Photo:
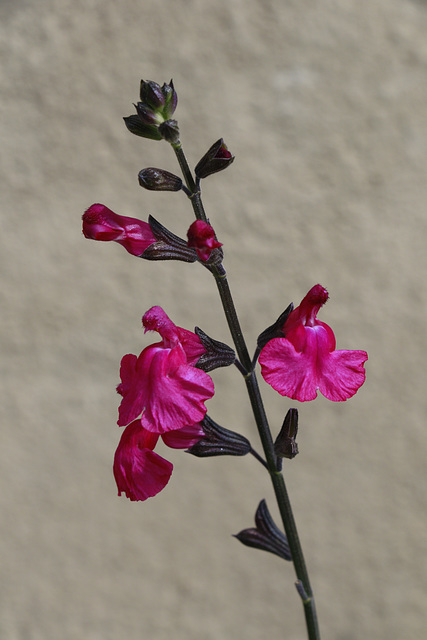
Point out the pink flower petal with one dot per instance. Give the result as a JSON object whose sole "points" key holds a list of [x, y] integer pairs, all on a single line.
{"points": [[100, 223], [191, 344], [342, 374], [155, 319], [170, 393], [139, 472], [288, 371], [184, 438], [201, 237], [130, 388], [174, 392]]}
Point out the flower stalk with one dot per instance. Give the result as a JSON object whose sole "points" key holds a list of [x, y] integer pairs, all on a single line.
{"points": [[260, 416]]}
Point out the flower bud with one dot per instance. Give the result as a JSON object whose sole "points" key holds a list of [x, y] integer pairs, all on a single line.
{"points": [[159, 180], [162, 100], [201, 236], [215, 159], [169, 131], [219, 441], [151, 95], [100, 223], [267, 535], [285, 445]]}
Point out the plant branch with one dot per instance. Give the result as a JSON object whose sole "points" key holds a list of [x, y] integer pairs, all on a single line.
{"points": [[260, 416]]}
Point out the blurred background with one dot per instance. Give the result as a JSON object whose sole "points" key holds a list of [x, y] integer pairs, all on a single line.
{"points": [[324, 106]]}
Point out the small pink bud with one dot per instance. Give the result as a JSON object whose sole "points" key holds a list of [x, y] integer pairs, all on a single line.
{"points": [[201, 237], [217, 158]]}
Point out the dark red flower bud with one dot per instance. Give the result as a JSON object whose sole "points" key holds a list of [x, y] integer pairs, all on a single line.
{"points": [[151, 95], [201, 236], [100, 223], [160, 99], [215, 159], [159, 180]]}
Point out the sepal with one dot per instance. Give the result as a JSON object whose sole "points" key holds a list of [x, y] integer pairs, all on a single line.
{"points": [[219, 441], [217, 353], [267, 535], [168, 245], [285, 445], [138, 128], [169, 131], [275, 330]]}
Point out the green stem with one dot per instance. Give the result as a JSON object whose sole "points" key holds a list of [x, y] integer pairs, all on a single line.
{"points": [[195, 197], [277, 478]]}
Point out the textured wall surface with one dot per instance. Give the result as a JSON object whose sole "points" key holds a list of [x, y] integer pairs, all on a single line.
{"points": [[324, 106]]}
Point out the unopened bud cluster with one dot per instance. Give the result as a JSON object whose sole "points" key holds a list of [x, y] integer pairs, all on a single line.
{"points": [[154, 112]]}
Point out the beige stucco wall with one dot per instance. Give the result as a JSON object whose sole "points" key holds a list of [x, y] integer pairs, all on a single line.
{"points": [[324, 106]]}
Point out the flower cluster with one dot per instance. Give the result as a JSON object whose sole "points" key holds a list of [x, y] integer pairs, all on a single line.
{"points": [[165, 388], [163, 394]]}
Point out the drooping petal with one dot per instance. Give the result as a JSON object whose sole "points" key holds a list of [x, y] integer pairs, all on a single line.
{"points": [[185, 437], [290, 372], [139, 472], [342, 374]]}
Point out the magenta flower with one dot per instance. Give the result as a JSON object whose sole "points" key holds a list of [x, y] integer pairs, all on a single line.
{"points": [[162, 383], [305, 359], [141, 473], [201, 237], [100, 223]]}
